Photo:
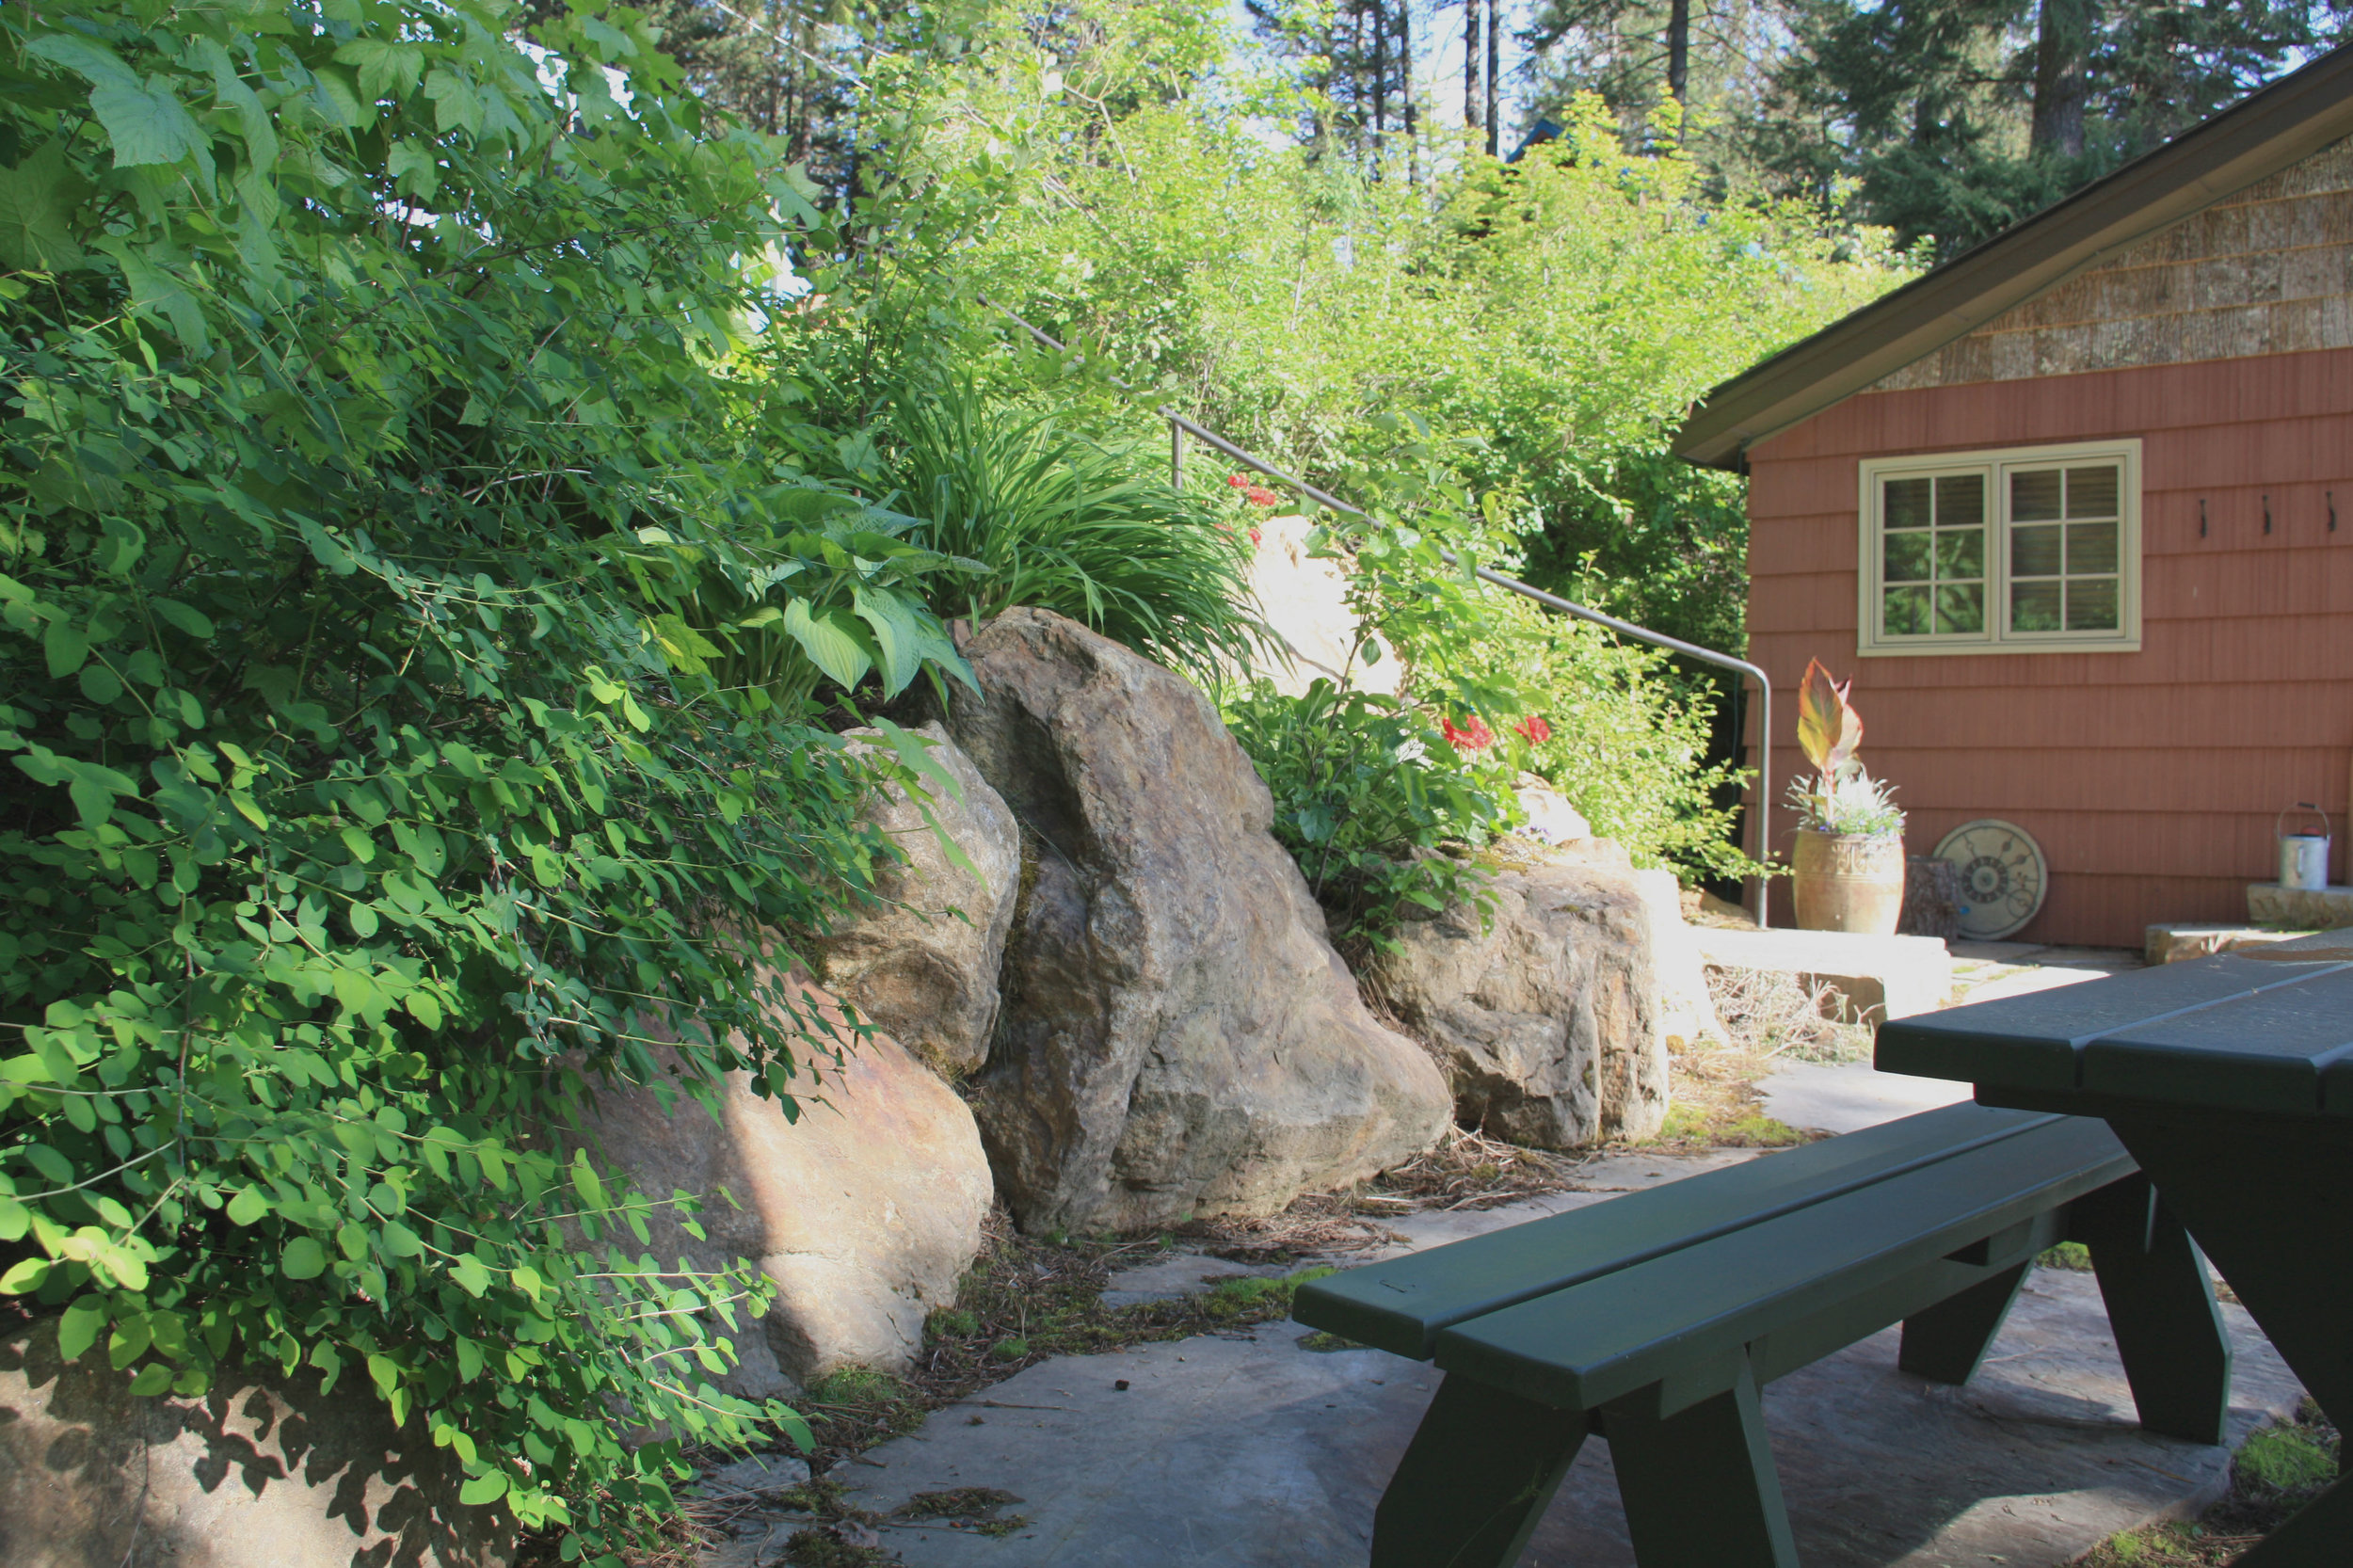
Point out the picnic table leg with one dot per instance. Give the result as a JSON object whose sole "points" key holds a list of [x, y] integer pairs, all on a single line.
{"points": [[2169, 1329], [2273, 1207], [1475, 1480], [1699, 1486], [1947, 1341]]}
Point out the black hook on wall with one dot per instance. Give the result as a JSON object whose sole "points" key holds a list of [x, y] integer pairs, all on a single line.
{"points": [[2202, 517], [2332, 511], [2267, 514]]}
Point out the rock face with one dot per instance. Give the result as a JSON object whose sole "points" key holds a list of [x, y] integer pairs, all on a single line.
{"points": [[1306, 605], [866, 1211], [1547, 1022], [266, 1471], [923, 961], [1178, 1037]]}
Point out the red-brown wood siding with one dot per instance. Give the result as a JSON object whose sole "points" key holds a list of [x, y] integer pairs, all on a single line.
{"points": [[2152, 779]]}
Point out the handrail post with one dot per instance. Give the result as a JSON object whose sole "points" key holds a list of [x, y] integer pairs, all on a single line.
{"points": [[1180, 427]]}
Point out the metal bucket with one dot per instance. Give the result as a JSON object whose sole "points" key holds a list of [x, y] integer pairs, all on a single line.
{"points": [[2303, 856]]}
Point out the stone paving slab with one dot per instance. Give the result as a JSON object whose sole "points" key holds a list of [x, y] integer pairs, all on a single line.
{"points": [[1847, 1097], [1251, 1452]]}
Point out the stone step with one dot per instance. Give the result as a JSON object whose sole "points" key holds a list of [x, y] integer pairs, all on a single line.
{"points": [[1876, 977], [2310, 908], [2171, 944]]}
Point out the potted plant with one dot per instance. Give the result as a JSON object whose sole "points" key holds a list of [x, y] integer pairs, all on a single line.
{"points": [[1849, 861]]}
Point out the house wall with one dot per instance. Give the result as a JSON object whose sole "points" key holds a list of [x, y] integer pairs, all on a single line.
{"points": [[2150, 779]]}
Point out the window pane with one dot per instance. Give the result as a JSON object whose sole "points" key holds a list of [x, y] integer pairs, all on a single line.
{"points": [[1960, 554], [2034, 552], [1907, 503], [1960, 609], [2034, 497], [1907, 612], [2091, 491], [1907, 557], [2090, 547], [1960, 499], [2034, 607], [2092, 605]]}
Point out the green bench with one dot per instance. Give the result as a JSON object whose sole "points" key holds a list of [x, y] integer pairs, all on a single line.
{"points": [[1653, 1320]]}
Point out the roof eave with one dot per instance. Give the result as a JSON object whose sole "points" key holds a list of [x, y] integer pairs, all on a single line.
{"points": [[2264, 133]]}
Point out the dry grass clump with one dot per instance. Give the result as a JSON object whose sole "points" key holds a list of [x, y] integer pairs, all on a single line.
{"points": [[1770, 1013]]}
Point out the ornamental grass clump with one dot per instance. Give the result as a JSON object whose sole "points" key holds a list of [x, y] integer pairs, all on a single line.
{"points": [[1062, 522], [409, 655]]}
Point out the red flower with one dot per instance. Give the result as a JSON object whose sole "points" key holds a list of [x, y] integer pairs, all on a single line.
{"points": [[1253, 536], [1238, 480], [1534, 730], [1259, 495], [1475, 736]]}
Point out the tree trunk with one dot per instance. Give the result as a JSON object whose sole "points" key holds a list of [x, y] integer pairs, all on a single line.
{"points": [[1380, 77], [1405, 90], [2063, 51], [1495, 69], [1470, 64], [1679, 52]]}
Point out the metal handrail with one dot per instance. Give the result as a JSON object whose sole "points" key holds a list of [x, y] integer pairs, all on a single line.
{"points": [[1179, 428]]}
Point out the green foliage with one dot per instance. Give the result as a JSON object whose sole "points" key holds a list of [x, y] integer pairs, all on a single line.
{"points": [[2288, 1460], [407, 634], [1369, 797], [1621, 739], [1066, 523], [1564, 312]]}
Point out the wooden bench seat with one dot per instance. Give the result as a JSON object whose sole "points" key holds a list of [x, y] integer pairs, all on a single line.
{"points": [[1653, 1320]]}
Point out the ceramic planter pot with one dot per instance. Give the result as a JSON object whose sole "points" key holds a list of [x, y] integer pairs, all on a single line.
{"points": [[1849, 882]]}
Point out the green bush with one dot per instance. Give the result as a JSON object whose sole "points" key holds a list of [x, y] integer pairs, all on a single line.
{"points": [[1370, 798], [407, 643], [1620, 739]]}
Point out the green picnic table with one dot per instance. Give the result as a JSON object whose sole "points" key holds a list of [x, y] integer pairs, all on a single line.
{"points": [[1654, 1319], [2230, 1082]]}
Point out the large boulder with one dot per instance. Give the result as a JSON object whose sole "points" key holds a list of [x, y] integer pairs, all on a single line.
{"points": [[264, 1470], [865, 1211], [921, 958], [1545, 1014], [1178, 1038]]}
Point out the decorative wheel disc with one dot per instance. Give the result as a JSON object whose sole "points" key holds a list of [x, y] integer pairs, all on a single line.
{"points": [[2002, 876]]}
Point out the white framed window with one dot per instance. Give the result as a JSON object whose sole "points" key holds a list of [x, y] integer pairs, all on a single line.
{"points": [[2019, 551]]}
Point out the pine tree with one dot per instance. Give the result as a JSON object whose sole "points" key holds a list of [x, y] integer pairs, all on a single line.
{"points": [[1951, 119]]}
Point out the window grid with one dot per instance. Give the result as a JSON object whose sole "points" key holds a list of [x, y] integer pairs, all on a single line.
{"points": [[2019, 551]]}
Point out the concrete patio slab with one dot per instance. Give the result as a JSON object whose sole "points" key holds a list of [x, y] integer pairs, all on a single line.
{"points": [[1250, 1451], [1847, 1097]]}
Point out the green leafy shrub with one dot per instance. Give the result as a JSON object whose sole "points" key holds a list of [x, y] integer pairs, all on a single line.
{"points": [[1605, 724], [1369, 797], [407, 638]]}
